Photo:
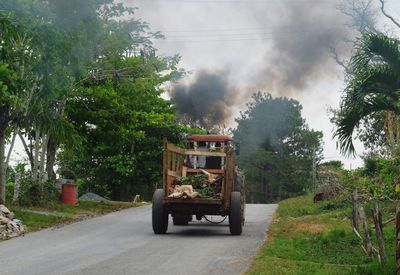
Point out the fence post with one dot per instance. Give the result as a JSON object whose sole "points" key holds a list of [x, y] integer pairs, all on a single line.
{"points": [[379, 233], [367, 241], [354, 196]]}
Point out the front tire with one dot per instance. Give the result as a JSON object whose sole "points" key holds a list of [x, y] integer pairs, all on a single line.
{"points": [[159, 213], [235, 214]]}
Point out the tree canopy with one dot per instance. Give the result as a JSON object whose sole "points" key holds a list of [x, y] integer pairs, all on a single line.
{"points": [[121, 124], [82, 80], [372, 88], [277, 149]]}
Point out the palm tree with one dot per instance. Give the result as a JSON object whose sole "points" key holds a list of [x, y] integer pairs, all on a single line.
{"points": [[373, 87]]}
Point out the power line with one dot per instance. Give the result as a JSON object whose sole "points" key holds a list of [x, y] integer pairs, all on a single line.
{"points": [[213, 30], [233, 35], [226, 38], [218, 35], [217, 40], [187, 34], [333, 158]]}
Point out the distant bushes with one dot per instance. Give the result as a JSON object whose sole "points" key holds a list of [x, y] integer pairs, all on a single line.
{"points": [[29, 193]]}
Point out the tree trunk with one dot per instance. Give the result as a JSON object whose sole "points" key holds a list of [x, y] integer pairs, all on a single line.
{"points": [[42, 174], [279, 193], [36, 156], [398, 238], [17, 186], [11, 147], [265, 190], [271, 193], [51, 159], [367, 240], [3, 168], [4, 120], [28, 152], [128, 194], [354, 197]]}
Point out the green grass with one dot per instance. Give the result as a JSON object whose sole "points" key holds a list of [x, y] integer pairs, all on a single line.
{"points": [[308, 238], [34, 221], [36, 218]]}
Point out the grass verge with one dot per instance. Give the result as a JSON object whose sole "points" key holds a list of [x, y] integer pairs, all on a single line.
{"points": [[36, 218], [308, 238]]}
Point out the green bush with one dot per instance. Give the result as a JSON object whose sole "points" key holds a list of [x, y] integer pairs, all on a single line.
{"points": [[9, 192], [30, 193]]}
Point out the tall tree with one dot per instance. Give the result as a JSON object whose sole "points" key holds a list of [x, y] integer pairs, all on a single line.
{"points": [[18, 82], [362, 16], [372, 130], [122, 121], [72, 38], [277, 150], [371, 89]]}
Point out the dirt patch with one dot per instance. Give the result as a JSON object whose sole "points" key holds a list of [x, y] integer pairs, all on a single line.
{"points": [[313, 228]]}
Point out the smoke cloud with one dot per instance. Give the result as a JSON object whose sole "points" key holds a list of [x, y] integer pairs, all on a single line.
{"points": [[206, 101], [297, 53], [301, 46]]}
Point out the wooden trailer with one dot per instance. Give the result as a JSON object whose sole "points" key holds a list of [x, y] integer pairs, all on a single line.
{"points": [[213, 155]]}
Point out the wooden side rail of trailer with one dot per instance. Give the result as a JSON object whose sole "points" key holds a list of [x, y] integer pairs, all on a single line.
{"points": [[174, 167]]}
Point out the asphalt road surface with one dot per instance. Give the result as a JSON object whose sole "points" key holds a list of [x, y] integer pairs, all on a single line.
{"points": [[123, 243]]}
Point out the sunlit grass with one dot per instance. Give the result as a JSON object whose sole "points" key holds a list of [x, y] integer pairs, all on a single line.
{"points": [[308, 238], [35, 218]]}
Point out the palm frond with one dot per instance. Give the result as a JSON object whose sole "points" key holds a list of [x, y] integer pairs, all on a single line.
{"points": [[374, 86], [376, 48]]}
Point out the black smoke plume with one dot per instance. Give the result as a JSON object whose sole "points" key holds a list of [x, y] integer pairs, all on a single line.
{"points": [[302, 41], [206, 102], [305, 43]]}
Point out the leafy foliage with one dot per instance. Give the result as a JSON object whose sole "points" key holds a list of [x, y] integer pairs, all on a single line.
{"points": [[372, 87], [83, 79], [201, 185], [334, 164], [276, 148], [122, 123]]}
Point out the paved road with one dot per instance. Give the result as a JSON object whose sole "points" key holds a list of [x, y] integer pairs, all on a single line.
{"points": [[123, 243]]}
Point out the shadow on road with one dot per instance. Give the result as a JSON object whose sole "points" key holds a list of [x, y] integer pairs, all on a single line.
{"points": [[199, 229]]}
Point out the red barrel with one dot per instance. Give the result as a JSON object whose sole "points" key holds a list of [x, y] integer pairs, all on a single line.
{"points": [[69, 193]]}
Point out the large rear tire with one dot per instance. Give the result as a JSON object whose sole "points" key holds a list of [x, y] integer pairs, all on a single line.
{"points": [[235, 215], [159, 214], [180, 219]]}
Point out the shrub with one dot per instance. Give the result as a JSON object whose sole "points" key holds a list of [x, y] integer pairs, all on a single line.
{"points": [[30, 192], [9, 192], [333, 191]]}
